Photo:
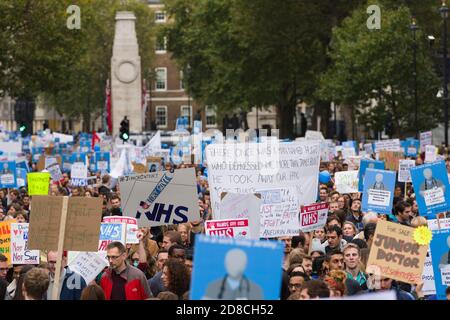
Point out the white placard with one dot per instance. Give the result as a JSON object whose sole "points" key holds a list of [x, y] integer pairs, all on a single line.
{"points": [[313, 217], [79, 171], [232, 228], [433, 196], [88, 265], [388, 145], [346, 181], [430, 153], [404, 167], [379, 197], [20, 254], [426, 138]]}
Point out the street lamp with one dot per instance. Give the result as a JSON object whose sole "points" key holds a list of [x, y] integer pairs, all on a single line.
{"points": [[443, 10], [414, 29]]}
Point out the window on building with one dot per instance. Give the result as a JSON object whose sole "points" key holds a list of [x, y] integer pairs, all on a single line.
{"points": [[210, 114], [186, 111], [161, 79], [160, 16], [161, 116], [161, 45]]}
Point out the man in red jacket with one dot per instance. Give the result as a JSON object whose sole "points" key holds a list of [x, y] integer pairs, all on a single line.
{"points": [[122, 281]]}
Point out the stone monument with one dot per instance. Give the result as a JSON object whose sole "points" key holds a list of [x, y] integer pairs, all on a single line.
{"points": [[126, 92]]}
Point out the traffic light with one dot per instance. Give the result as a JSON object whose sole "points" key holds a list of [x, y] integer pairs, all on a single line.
{"points": [[125, 129], [24, 116]]}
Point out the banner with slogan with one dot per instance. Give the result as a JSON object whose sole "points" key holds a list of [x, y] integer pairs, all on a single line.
{"points": [[440, 254], [431, 187], [387, 145], [245, 167], [253, 260], [160, 198], [241, 206], [364, 165], [232, 228], [38, 183], [279, 212], [404, 170], [346, 181], [313, 217], [88, 265], [378, 192], [395, 254], [8, 174], [20, 254], [78, 174], [391, 159]]}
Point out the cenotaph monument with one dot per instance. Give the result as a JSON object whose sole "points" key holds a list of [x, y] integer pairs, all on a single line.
{"points": [[126, 91]]}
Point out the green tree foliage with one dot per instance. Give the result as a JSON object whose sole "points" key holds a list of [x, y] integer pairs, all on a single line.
{"points": [[69, 68], [254, 53], [377, 65]]}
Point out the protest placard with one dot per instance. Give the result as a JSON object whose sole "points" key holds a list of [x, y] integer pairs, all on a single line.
{"points": [[20, 254], [426, 138], [160, 198], [346, 181], [378, 193], [430, 153], [431, 187], [244, 167], [440, 254], [391, 159], [102, 162], [110, 232], [55, 172], [253, 259], [78, 174], [5, 238], [368, 147], [88, 265], [279, 212], [353, 162], [395, 254], [314, 135], [139, 168], [11, 146], [364, 165], [46, 160], [21, 174], [38, 183], [241, 206], [387, 145], [232, 228], [313, 217], [327, 150], [132, 227], [404, 173], [154, 164], [8, 174]]}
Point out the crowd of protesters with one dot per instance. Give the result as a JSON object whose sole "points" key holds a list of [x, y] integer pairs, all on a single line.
{"points": [[326, 263]]}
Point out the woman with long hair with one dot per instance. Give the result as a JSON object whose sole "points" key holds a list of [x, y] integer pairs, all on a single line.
{"points": [[176, 277]]}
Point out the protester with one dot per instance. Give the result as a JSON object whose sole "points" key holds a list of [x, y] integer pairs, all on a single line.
{"points": [[35, 284], [3, 267], [92, 292], [176, 277], [314, 289]]}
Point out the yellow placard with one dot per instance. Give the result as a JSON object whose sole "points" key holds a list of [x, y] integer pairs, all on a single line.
{"points": [[5, 238], [38, 183]]}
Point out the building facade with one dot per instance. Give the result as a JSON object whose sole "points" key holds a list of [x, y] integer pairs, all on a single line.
{"points": [[168, 99]]}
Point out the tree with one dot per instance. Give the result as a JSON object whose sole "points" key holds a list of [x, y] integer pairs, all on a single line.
{"points": [[377, 65], [253, 53], [69, 68]]}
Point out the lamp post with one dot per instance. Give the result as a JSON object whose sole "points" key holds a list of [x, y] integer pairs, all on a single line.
{"points": [[443, 10], [414, 29]]}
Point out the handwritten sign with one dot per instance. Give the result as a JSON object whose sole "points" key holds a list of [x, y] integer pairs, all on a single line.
{"points": [[20, 253], [346, 181], [394, 253], [232, 228], [426, 138], [391, 159], [88, 265], [38, 183], [82, 224], [387, 145], [313, 217], [279, 212], [5, 239], [430, 153]]}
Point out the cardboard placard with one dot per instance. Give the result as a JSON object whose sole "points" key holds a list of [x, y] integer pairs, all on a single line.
{"points": [[391, 159], [394, 253]]}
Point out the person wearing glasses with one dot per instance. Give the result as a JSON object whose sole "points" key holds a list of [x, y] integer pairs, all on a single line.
{"points": [[296, 281], [122, 281]]}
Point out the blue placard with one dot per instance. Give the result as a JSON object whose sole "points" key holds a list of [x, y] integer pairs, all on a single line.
{"points": [[440, 256], [431, 187], [351, 144], [66, 164], [78, 157], [102, 162], [36, 153], [23, 164], [367, 164], [21, 174], [378, 192], [111, 231], [238, 269], [85, 146], [410, 147], [8, 174]]}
